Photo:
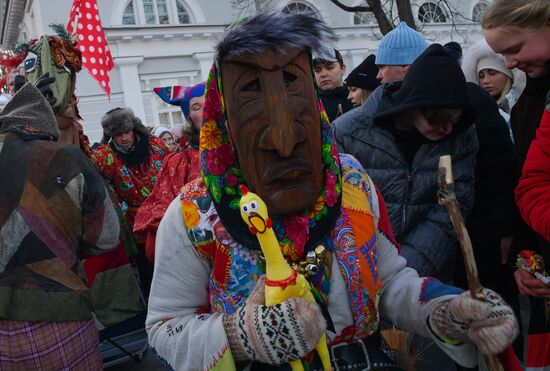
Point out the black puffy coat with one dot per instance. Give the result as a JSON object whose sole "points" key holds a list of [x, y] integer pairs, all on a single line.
{"points": [[420, 224]]}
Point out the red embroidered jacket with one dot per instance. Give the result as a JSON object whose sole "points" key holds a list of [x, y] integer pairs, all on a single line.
{"points": [[132, 183]]}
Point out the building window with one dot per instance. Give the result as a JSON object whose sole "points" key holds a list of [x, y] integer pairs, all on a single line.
{"points": [[183, 14], [129, 17], [169, 115], [156, 12], [431, 13], [363, 18], [479, 12], [298, 7]]}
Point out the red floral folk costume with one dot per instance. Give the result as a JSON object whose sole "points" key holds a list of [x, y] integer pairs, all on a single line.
{"points": [[177, 170], [132, 173], [132, 183]]}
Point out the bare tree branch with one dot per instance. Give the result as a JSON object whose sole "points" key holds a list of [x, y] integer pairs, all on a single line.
{"points": [[404, 10], [348, 8], [383, 11], [377, 9]]}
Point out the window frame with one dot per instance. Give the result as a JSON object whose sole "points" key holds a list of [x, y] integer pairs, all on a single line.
{"points": [[165, 108], [434, 10], [140, 17], [314, 10]]}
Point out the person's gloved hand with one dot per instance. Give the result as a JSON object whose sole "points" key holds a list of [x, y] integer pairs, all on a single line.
{"points": [[273, 334], [490, 324], [43, 84]]}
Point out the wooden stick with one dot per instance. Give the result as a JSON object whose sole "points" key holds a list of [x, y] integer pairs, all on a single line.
{"points": [[446, 196]]}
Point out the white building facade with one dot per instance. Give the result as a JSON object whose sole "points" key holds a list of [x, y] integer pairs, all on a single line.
{"points": [[171, 42]]}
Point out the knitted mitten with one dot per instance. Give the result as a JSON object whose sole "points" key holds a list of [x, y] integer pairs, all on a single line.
{"points": [[273, 334], [490, 324]]}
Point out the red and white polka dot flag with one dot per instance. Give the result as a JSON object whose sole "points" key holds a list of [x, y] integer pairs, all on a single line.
{"points": [[84, 22]]}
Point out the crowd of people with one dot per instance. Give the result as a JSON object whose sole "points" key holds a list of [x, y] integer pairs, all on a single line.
{"points": [[349, 171]]}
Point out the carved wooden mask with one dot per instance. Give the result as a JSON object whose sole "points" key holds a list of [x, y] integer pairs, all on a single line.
{"points": [[273, 117]]}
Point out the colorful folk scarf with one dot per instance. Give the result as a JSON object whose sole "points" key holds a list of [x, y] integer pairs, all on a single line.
{"points": [[296, 232], [235, 268]]}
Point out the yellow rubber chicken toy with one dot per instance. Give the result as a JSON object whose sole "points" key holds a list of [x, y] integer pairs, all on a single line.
{"points": [[282, 282]]}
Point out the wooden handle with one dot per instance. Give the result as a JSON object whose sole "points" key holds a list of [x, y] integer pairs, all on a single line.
{"points": [[447, 197], [446, 169]]}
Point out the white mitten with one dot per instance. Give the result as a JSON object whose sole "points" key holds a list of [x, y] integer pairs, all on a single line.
{"points": [[273, 334], [490, 323]]}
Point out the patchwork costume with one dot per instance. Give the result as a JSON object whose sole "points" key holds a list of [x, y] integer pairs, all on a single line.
{"points": [[54, 211]]}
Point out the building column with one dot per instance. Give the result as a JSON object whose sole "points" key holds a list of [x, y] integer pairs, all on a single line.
{"points": [[357, 56], [131, 87], [205, 61]]}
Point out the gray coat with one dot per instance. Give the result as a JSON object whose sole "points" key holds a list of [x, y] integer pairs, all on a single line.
{"points": [[421, 226]]}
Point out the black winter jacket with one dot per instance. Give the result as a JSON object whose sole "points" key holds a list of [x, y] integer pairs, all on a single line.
{"points": [[420, 224], [331, 100]]}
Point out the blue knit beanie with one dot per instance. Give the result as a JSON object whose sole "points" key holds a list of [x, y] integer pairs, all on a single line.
{"points": [[400, 47]]}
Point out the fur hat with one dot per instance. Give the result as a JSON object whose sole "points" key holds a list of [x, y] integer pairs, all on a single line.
{"points": [[121, 120], [274, 31], [364, 75], [29, 108], [400, 46]]}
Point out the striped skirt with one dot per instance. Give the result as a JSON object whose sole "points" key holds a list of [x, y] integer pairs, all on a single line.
{"points": [[49, 346]]}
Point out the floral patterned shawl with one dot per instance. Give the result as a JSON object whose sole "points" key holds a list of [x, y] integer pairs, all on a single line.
{"points": [[297, 232]]}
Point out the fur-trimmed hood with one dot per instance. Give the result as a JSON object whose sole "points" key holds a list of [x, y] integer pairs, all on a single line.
{"points": [[479, 50]]}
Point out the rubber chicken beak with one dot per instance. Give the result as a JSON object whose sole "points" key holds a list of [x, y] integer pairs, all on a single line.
{"points": [[257, 222]]}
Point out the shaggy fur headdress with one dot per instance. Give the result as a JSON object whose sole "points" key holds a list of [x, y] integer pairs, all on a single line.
{"points": [[274, 31], [121, 120]]}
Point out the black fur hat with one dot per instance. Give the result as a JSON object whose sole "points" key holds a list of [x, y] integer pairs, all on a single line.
{"points": [[274, 31], [121, 120]]}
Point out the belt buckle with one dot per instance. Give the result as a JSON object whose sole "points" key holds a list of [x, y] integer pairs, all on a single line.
{"points": [[336, 346]]}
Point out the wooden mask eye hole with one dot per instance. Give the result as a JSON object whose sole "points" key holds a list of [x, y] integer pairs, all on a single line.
{"points": [[289, 78], [252, 86]]}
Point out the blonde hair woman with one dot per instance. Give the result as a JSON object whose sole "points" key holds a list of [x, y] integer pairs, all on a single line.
{"points": [[520, 30]]}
